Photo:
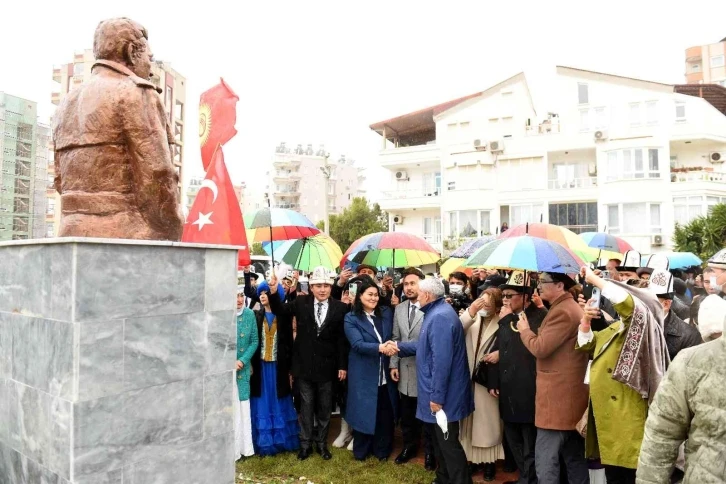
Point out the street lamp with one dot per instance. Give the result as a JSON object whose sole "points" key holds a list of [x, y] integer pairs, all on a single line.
{"points": [[327, 171]]}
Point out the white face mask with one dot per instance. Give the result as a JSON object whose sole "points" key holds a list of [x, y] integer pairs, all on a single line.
{"points": [[714, 283], [483, 313], [455, 288]]}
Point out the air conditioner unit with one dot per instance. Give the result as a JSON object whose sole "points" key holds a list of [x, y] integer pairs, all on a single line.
{"points": [[397, 219], [496, 146], [601, 135], [656, 240], [480, 145], [717, 157], [401, 175]]}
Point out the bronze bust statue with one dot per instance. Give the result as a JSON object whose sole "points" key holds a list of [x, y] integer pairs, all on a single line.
{"points": [[112, 140]]}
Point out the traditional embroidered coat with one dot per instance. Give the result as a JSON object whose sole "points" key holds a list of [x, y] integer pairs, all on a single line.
{"points": [[247, 342]]}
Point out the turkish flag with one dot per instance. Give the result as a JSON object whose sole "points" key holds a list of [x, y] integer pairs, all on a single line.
{"points": [[217, 116], [215, 216]]}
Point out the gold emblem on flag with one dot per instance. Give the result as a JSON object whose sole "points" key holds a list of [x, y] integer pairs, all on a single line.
{"points": [[205, 123]]}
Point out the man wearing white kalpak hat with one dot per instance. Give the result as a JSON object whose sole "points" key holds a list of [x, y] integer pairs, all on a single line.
{"points": [[718, 264], [319, 355], [678, 334]]}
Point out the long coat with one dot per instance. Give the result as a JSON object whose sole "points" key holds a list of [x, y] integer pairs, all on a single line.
{"points": [[317, 355], [442, 369], [484, 425], [515, 375], [364, 366], [284, 356], [404, 332], [561, 391], [617, 413], [247, 343]]}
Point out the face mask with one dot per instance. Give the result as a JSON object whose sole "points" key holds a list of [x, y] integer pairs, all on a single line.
{"points": [[483, 313], [714, 283], [455, 288]]}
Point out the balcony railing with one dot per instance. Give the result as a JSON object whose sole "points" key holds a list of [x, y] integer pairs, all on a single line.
{"points": [[573, 183], [405, 194], [291, 206], [698, 176], [545, 127], [432, 238]]}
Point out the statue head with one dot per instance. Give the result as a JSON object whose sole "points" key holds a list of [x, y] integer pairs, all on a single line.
{"points": [[124, 41]]}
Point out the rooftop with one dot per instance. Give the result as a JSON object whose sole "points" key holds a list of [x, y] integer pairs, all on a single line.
{"points": [[713, 93]]}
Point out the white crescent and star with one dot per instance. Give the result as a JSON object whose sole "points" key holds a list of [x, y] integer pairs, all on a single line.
{"points": [[212, 186], [204, 219]]}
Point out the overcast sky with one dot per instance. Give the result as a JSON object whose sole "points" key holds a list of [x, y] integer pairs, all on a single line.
{"points": [[322, 72]]}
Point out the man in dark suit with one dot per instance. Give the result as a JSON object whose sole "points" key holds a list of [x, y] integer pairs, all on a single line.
{"points": [[319, 356]]}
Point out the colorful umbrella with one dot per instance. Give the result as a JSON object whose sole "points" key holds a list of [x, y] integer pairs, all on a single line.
{"points": [[677, 260], [454, 264], [469, 247], [391, 249], [606, 242], [526, 253], [307, 254], [278, 224], [555, 233]]}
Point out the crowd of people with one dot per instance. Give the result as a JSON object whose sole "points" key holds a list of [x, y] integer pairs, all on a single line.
{"points": [[611, 375]]}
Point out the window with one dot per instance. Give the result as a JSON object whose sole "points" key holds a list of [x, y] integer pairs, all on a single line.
{"points": [[451, 186], [583, 96], [584, 120], [634, 218], [484, 222], [578, 217], [431, 184], [680, 112], [49, 230], [717, 61], [519, 174], [634, 115], [432, 229], [469, 223], [651, 113], [520, 214], [600, 120], [51, 206], [688, 208], [695, 67], [78, 69], [630, 164]]}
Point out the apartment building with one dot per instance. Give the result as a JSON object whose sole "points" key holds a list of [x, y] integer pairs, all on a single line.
{"points": [[173, 95], [23, 169], [624, 155], [706, 64], [297, 181]]}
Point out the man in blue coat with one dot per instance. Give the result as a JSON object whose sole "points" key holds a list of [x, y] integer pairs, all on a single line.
{"points": [[443, 379]]}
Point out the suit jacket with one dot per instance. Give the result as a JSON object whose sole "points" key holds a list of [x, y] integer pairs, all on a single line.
{"points": [[403, 332], [316, 355]]}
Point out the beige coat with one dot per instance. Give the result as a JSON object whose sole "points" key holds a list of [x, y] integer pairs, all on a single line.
{"points": [[484, 425]]}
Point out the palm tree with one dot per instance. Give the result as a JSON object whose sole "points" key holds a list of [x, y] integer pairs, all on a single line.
{"points": [[704, 236]]}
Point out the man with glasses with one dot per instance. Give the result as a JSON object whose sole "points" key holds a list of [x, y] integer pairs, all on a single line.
{"points": [[562, 395], [514, 376]]}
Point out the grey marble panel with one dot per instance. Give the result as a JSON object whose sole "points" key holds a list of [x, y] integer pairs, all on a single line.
{"points": [[36, 280], [111, 477], [6, 345], [111, 432], [4, 409], [221, 341], [218, 403], [16, 468], [162, 349], [210, 462], [101, 359], [39, 428], [220, 282], [120, 281], [43, 354]]}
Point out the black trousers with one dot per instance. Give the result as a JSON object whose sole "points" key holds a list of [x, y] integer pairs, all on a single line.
{"points": [[380, 444], [316, 401], [521, 439], [553, 444], [619, 475], [453, 466], [411, 427]]}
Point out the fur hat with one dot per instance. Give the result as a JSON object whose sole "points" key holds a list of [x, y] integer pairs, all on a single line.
{"points": [[321, 275]]}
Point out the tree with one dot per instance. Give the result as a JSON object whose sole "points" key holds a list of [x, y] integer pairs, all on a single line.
{"points": [[357, 220], [257, 249], [704, 236]]}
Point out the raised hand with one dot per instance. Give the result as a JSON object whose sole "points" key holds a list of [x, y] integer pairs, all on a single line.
{"points": [[388, 283], [273, 284], [394, 300], [537, 300], [344, 277], [476, 306], [505, 311], [581, 301], [523, 323]]}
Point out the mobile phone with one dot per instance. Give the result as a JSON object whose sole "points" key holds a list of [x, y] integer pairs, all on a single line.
{"points": [[596, 297], [304, 286], [605, 275], [397, 279], [352, 290]]}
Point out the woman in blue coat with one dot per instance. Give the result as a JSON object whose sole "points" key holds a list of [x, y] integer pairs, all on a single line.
{"points": [[372, 396]]}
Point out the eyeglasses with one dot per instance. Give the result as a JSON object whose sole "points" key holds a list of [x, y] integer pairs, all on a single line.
{"points": [[510, 296]]}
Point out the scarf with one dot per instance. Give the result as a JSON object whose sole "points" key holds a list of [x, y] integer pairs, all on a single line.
{"points": [[644, 357]]}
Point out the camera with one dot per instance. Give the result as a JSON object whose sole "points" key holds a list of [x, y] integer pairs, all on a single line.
{"points": [[459, 301]]}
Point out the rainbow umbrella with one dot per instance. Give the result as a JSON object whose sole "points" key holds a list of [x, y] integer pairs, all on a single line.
{"points": [[526, 253], [606, 242], [454, 264], [308, 253], [273, 224], [470, 246], [555, 233], [391, 249]]}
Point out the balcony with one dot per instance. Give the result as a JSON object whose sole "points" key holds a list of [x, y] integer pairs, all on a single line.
{"points": [[573, 183], [286, 175], [286, 160], [424, 155], [543, 128], [289, 206], [402, 199], [55, 98], [693, 54], [57, 74], [697, 180]]}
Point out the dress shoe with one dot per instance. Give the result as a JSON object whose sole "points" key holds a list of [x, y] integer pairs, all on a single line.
{"points": [[304, 453], [405, 456], [430, 462], [490, 470], [324, 452]]}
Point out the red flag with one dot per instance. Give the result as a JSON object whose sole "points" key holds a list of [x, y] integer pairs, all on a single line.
{"points": [[217, 115], [215, 216]]}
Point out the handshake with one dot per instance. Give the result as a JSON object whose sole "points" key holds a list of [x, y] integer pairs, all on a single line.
{"points": [[389, 348]]}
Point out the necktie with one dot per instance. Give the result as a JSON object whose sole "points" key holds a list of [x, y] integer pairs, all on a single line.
{"points": [[320, 314], [411, 315]]}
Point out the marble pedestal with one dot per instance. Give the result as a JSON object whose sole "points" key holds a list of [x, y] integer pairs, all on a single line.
{"points": [[116, 362]]}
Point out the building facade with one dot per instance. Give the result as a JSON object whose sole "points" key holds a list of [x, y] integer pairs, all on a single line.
{"points": [[706, 64], [613, 154], [173, 95], [23, 175], [297, 181]]}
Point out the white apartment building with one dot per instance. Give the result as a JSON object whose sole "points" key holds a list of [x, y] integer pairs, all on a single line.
{"points": [[297, 181], [611, 153]]}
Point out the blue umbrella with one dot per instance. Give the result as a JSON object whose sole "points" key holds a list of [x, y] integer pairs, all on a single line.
{"points": [[680, 260], [469, 247]]}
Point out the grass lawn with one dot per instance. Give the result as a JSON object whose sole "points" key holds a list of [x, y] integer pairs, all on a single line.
{"points": [[341, 469]]}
